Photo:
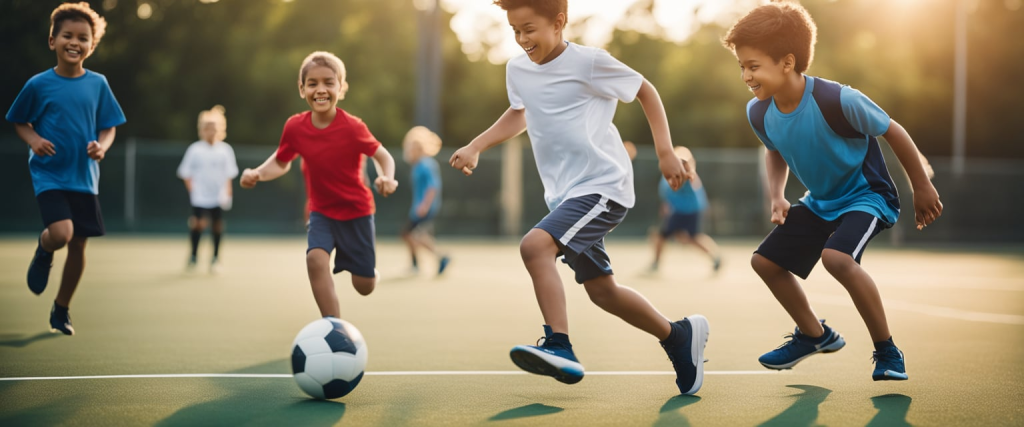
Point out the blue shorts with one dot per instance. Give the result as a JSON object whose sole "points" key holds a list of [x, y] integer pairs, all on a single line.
{"points": [[796, 245], [677, 222], [353, 239], [83, 209], [578, 226]]}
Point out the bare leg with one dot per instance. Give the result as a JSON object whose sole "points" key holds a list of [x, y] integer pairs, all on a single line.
{"points": [[789, 293], [628, 305], [318, 266], [73, 268], [57, 235], [862, 290], [410, 243], [364, 285], [703, 242], [538, 250], [659, 247]]}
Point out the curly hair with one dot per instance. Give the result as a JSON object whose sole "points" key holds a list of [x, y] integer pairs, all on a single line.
{"points": [[322, 59], [546, 8], [78, 12], [777, 29], [428, 141]]}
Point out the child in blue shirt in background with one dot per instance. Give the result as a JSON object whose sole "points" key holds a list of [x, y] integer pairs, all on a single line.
{"points": [[682, 210], [850, 195], [67, 115], [418, 149]]}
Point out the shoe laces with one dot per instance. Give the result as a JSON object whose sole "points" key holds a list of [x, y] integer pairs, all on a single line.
{"points": [[884, 355], [793, 339]]}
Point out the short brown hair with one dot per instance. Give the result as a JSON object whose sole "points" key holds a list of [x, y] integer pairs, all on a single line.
{"points": [[78, 12], [321, 59], [777, 29], [546, 8]]}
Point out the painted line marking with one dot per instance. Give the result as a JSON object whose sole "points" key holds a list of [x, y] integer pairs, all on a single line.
{"points": [[377, 373]]}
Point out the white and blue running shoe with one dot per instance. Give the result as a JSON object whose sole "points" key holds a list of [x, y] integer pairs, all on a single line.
{"points": [[550, 357], [800, 347], [889, 365]]}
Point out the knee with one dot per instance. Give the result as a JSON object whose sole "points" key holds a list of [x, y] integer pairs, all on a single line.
{"points": [[218, 227], [600, 296], [764, 267], [317, 260], [364, 285], [537, 245], [61, 233], [837, 263]]}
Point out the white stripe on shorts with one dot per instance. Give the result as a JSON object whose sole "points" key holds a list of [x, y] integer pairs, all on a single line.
{"points": [[600, 207], [864, 239]]}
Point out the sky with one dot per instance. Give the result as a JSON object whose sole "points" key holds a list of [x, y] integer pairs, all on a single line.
{"points": [[484, 32]]}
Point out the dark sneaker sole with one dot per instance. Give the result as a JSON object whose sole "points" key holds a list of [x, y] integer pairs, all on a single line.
{"points": [[890, 376], [528, 360], [832, 347]]}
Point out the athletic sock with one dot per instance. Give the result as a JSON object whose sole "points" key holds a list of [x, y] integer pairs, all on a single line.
{"points": [[194, 235], [882, 345], [560, 338], [59, 308], [216, 244]]}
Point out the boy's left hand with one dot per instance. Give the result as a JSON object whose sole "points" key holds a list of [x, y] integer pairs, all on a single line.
{"points": [[927, 207], [385, 186], [95, 151], [675, 171]]}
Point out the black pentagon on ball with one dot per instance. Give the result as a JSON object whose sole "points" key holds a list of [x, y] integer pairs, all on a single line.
{"points": [[298, 360], [339, 388], [339, 342]]}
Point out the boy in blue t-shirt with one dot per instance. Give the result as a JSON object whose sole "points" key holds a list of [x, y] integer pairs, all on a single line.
{"points": [[682, 210], [419, 148], [67, 116], [850, 195]]}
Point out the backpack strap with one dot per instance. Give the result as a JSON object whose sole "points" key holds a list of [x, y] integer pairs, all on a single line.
{"points": [[826, 95], [757, 112]]}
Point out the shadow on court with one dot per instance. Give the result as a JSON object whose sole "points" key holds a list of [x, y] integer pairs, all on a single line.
{"points": [[803, 412], [531, 410], [670, 414], [260, 402], [892, 410], [23, 341]]}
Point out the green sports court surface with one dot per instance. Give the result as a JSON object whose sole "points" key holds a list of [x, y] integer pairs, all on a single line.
{"points": [[153, 333]]}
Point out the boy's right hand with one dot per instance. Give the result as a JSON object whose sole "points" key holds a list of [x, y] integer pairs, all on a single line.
{"points": [[249, 178], [780, 210], [465, 159], [43, 147]]}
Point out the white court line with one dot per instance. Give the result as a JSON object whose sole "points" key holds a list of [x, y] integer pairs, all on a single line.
{"points": [[932, 310], [378, 373]]}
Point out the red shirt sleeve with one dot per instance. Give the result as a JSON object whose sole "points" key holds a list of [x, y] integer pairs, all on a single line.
{"points": [[286, 151], [365, 142]]}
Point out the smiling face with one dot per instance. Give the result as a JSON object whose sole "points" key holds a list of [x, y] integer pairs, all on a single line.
{"points": [[73, 42], [763, 76], [538, 35], [322, 89]]}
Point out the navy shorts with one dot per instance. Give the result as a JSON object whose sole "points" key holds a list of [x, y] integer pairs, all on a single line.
{"points": [[83, 209], [677, 222], [214, 214], [353, 240], [578, 226], [424, 224], [796, 245]]}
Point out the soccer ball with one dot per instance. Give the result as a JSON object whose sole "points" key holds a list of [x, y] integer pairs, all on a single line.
{"points": [[328, 358]]}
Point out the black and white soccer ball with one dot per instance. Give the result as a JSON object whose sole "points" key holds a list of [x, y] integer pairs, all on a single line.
{"points": [[328, 358]]}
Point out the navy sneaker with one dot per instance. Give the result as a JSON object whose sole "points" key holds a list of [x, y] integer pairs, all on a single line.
{"points": [[553, 358], [800, 347], [889, 365], [685, 348], [39, 269], [443, 264], [60, 320]]}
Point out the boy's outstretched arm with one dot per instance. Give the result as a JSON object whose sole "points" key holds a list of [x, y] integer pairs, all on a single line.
{"points": [[927, 207], [777, 175], [675, 170], [39, 145], [270, 170], [385, 181], [510, 124], [98, 149]]}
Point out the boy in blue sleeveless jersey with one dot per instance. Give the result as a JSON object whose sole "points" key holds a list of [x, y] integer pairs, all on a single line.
{"points": [[826, 134], [67, 116]]}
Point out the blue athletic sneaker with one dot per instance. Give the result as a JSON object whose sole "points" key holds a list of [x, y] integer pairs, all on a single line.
{"points": [[685, 348], [889, 365], [443, 264], [553, 358], [39, 269], [60, 320], [800, 347]]}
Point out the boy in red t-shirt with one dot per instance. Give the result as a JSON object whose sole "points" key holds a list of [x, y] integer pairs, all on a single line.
{"points": [[332, 144]]}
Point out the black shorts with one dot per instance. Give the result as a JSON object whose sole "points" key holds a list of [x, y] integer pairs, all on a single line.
{"points": [[677, 222], [354, 241], [578, 226], [83, 209], [214, 214], [796, 245], [424, 224]]}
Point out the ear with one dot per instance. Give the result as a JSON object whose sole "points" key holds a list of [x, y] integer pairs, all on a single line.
{"points": [[344, 89], [51, 41], [560, 21], [302, 94], [788, 62]]}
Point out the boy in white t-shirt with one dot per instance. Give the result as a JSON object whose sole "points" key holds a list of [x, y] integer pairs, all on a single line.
{"points": [[208, 168], [564, 95]]}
